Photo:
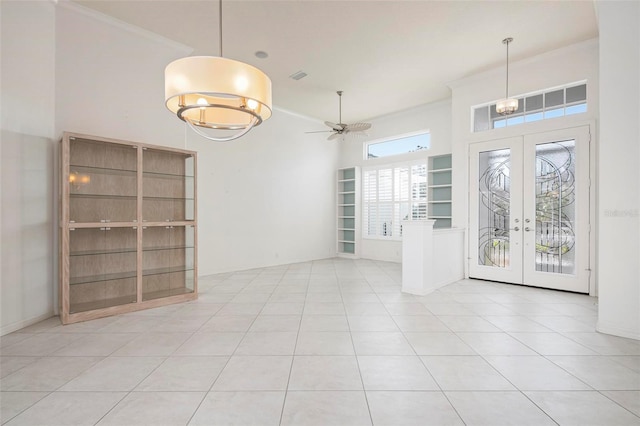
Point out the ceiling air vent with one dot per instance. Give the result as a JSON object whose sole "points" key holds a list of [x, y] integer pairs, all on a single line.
{"points": [[298, 75]]}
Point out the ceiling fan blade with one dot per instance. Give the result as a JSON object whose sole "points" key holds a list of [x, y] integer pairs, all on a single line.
{"points": [[334, 126], [333, 136], [320, 131], [358, 127], [359, 134]]}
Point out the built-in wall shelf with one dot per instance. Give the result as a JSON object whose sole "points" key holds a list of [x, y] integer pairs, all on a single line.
{"points": [[347, 206], [440, 187]]}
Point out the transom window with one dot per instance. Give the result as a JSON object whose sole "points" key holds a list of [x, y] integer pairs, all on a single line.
{"points": [[411, 142], [551, 103], [392, 194]]}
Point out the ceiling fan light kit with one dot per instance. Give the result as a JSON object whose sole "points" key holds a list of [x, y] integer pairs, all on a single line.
{"points": [[219, 94], [507, 105]]}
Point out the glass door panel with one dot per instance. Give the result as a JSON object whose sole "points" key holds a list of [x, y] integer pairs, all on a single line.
{"points": [[102, 182], [556, 210], [102, 268], [168, 259], [555, 207], [497, 246], [494, 208], [169, 186]]}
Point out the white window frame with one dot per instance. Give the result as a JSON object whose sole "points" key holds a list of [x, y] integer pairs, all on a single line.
{"points": [[366, 145], [424, 161], [521, 99]]}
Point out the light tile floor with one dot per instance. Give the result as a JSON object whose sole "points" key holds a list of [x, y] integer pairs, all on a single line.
{"points": [[331, 342]]}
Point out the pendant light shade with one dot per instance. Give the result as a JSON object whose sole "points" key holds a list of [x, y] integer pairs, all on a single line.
{"points": [[211, 92], [507, 105], [217, 93]]}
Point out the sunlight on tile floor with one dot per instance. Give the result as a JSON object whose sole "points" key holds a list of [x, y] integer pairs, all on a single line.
{"points": [[330, 342]]}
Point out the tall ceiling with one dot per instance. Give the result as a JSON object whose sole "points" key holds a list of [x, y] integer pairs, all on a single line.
{"points": [[385, 55]]}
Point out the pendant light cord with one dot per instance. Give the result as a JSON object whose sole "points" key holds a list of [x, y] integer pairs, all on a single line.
{"points": [[506, 90], [506, 41], [220, 13]]}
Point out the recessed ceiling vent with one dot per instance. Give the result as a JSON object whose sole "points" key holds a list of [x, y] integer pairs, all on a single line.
{"points": [[298, 75]]}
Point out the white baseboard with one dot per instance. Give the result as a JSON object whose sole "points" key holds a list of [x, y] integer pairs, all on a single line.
{"points": [[614, 330], [10, 328]]}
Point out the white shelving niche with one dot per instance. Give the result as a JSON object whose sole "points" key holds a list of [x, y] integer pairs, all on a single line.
{"points": [[439, 184], [348, 212]]}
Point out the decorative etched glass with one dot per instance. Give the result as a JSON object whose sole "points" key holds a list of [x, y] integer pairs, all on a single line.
{"points": [[555, 207], [493, 215]]}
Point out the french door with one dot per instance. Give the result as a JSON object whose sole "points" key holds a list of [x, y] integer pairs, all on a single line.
{"points": [[529, 210]]}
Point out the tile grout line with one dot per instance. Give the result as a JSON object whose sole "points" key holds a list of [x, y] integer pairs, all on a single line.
{"points": [[225, 364], [355, 354], [293, 356]]}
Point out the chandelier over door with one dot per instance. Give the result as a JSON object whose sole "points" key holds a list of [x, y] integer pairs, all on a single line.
{"points": [[530, 212]]}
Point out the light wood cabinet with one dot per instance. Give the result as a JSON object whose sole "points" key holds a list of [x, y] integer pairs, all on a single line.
{"points": [[128, 237]]}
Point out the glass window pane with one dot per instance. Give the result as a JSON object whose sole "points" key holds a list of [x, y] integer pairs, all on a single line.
{"points": [[554, 98], [370, 219], [419, 182], [399, 146], [419, 211], [481, 119], [532, 108], [533, 117], [401, 184], [370, 186], [576, 93], [493, 113], [385, 216], [401, 212], [515, 120], [520, 109], [575, 109], [533, 103], [385, 185], [553, 113]]}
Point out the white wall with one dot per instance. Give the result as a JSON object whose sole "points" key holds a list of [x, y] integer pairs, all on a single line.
{"points": [[435, 117], [264, 199], [267, 198], [110, 79], [27, 163], [619, 176]]}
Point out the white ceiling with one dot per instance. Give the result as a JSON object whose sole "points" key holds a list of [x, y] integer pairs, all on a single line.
{"points": [[385, 55]]}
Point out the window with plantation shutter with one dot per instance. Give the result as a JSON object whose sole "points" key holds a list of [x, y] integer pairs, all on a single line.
{"points": [[391, 194]]}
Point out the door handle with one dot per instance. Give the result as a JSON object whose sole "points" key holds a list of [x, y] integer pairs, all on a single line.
{"points": [[514, 229], [527, 229]]}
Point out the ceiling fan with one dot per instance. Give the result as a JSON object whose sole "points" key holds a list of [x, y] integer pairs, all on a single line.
{"points": [[337, 129]]}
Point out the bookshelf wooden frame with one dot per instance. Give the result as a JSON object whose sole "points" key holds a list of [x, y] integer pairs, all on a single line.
{"points": [[116, 254]]}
